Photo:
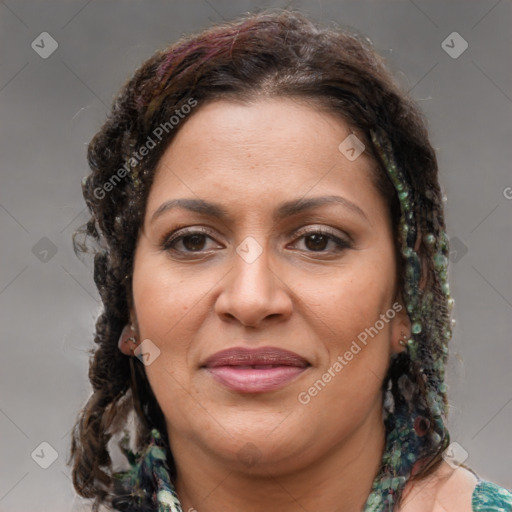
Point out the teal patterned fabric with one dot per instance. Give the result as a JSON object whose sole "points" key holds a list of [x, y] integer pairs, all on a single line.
{"points": [[148, 486], [489, 497]]}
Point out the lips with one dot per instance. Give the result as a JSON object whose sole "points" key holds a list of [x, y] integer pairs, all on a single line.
{"points": [[255, 370], [240, 356]]}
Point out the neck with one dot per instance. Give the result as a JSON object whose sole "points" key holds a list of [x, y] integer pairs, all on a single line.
{"points": [[343, 477]]}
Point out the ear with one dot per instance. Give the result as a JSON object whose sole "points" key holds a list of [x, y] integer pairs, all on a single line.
{"points": [[400, 326], [128, 340], [401, 329]]}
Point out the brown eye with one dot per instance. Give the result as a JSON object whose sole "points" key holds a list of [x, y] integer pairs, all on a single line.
{"points": [[317, 240], [192, 241]]}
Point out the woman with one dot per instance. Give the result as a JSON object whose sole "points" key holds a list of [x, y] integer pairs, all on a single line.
{"points": [[272, 260]]}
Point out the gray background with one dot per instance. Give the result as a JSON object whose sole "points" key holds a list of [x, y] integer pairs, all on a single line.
{"points": [[50, 108]]}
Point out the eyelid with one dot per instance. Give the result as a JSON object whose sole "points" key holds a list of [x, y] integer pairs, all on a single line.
{"points": [[342, 242], [175, 232], [182, 231], [319, 228]]}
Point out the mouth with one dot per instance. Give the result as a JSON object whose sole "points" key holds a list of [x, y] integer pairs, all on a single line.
{"points": [[255, 370]]}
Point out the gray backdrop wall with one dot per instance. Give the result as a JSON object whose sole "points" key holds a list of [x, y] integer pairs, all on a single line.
{"points": [[62, 62]]}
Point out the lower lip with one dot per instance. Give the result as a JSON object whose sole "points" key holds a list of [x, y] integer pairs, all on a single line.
{"points": [[255, 380]]}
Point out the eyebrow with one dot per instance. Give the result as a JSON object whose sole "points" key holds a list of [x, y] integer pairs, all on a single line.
{"points": [[286, 209]]}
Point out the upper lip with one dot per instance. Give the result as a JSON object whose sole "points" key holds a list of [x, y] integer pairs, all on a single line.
{"points": [[242, 356]]}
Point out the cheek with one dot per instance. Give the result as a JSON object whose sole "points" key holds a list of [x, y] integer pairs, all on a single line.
{"points": [[352, 298], [161, 298], [346, 310], [171, 307], [356, 347]]}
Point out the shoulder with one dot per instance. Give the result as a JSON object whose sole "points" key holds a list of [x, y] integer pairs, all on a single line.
{"points": [[448, 489], [451, 489], [455, 489]]}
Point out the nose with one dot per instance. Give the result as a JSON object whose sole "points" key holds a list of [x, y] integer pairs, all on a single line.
{"points": [[253, 293]]}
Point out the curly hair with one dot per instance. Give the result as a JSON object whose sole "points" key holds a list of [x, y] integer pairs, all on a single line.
{"points": [[263, 55]]}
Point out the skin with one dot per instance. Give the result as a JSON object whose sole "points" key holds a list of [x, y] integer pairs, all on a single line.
{"points": [[249, 158]]}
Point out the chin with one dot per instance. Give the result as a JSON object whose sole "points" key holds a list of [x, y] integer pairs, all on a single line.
{"points": [[257, 444]]}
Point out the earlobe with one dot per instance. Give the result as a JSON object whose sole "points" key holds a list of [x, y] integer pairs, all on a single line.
{"points": [[127, 340], [400, 331], [403, 342]]}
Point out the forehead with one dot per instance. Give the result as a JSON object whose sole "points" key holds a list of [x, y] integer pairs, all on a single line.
{"points": [[259, 153]]}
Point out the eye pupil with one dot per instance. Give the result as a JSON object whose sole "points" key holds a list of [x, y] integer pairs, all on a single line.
{"points": [[318, 241], [196, 244]]}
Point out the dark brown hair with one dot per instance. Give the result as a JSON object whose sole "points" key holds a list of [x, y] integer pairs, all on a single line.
{"points": [[270, 54]]}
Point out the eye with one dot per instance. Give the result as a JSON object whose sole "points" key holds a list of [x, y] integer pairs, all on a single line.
{"points": [[192, 240], [316, 240]]}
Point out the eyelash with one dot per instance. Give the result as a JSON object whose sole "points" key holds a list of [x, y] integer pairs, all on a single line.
{"points": [[169, 240]]}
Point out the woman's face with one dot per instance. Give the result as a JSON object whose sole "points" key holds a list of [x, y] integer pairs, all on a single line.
{"points": [[262, 276]]}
